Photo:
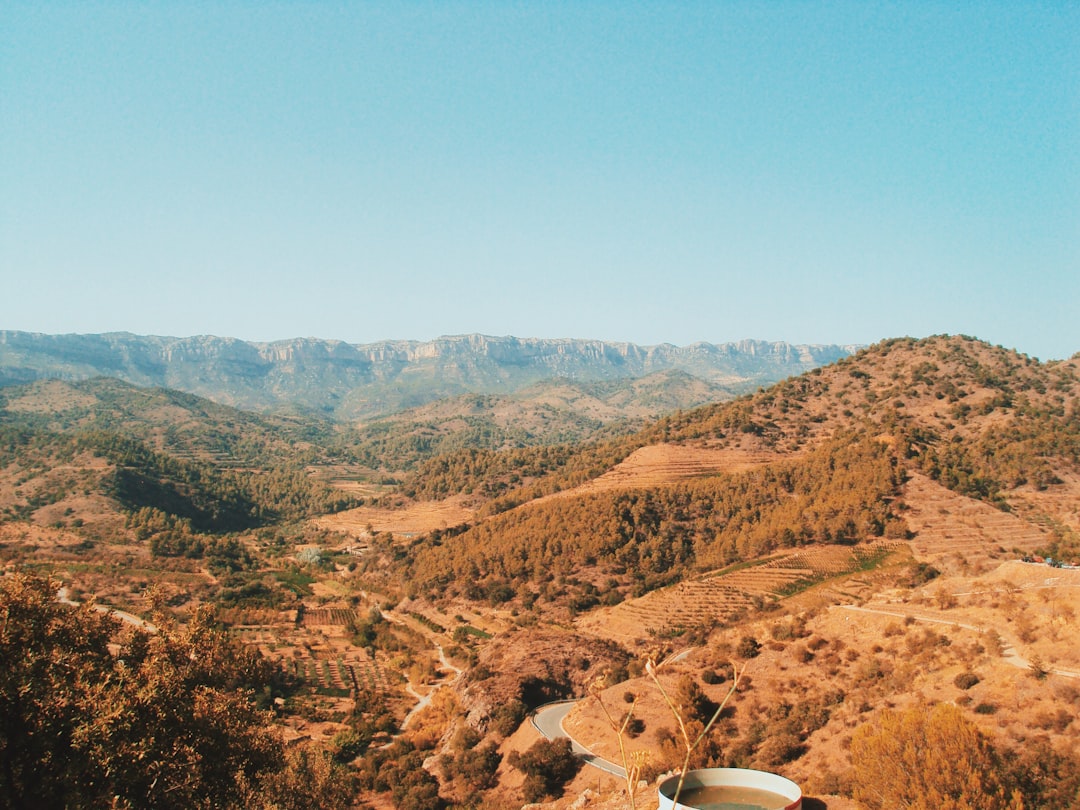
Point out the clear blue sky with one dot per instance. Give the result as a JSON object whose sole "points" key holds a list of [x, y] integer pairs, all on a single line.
{"points": [[651, 172]]}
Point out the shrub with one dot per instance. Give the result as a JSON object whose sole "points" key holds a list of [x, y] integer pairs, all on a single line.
{"points": [[779, 749], [928, 758], [170, 722], [748, 647], [548, 765], [965, 680], [1038, 669], [508, 717]]}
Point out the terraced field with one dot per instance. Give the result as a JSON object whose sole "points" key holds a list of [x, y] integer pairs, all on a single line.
{"points": [[661, 464], [329, 617], [719, 596], [320, 661], [416, 518], [951, 528]]}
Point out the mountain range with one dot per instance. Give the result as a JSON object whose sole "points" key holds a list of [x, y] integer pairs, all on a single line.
{"points": [[348, 382]]}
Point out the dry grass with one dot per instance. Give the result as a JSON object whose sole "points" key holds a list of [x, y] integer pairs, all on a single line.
{"points": [[961, 534], [660, 464], [414, 518]]}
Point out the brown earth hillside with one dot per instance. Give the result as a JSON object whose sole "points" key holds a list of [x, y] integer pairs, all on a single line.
{"points": [[985, 445], [661, 464], [951, 385]]}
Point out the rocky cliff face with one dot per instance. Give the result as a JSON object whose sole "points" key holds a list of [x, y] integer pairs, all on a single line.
{"points": [[361, 381]]}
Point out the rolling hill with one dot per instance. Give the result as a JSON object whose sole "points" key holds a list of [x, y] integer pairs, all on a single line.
{"points": [[821, 458]]}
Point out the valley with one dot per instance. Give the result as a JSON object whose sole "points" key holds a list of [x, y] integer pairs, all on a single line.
{"points": [[857, 538]]}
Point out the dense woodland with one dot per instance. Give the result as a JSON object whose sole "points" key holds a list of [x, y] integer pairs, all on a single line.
{"points": [[839, 493]]}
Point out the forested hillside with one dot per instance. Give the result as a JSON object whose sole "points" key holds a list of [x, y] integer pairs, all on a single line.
{"points": [[50, 467], [167, 463], [976, 415], [982, 420], [838, 493], [173, 422]]}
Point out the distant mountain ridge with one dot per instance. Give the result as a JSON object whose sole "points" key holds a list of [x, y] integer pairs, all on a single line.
{"points": [[350, 381]]}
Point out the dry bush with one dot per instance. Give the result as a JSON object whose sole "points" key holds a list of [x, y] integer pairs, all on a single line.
{"points": [[965, 680], [944, 599], [1053, 721], [1025, 627], [926, 759], [995, 645], [1068, 692]]}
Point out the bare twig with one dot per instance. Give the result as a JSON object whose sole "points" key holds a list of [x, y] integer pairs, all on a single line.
{"points": [[652, 669], [633, 761], [631, 764]]}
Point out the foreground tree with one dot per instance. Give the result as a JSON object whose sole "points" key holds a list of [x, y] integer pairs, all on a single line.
{"points": [[928, 759], [165, 721]]}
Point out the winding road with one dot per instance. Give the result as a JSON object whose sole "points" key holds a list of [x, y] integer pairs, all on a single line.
{"points": [[548, 721]]}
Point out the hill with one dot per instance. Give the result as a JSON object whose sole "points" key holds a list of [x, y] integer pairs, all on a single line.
{"points": [[854, 534], [169, 421], [551, 412], [821, 458], [99, 452], [988, 417], [349, 382]]}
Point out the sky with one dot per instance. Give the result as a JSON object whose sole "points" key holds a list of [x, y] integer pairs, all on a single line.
{"points": [[652, 172]]}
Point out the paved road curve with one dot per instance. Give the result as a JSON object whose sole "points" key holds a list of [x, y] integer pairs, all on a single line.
{"points": [[548, 721]]}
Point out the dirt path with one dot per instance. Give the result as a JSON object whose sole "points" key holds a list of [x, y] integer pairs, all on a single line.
{"points": [[63, 597], [1008, 652], [423, 701]]}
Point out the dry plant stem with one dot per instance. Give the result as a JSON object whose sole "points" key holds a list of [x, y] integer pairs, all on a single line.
{"points": [[630, 769], [651, 669]]}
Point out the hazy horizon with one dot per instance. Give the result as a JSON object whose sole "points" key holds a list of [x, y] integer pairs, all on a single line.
{"points": [[431, 339]]}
